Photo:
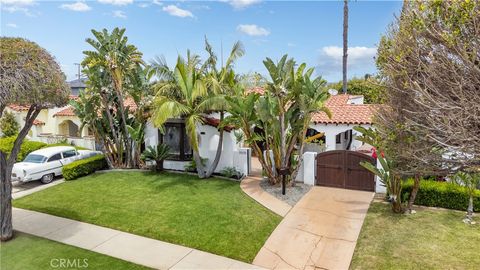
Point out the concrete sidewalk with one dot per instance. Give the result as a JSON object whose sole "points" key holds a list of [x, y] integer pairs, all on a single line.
{"points": [[129, 247], [320, 232]]}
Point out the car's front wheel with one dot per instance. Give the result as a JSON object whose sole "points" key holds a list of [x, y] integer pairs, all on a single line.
{"points": [[47, 178]]}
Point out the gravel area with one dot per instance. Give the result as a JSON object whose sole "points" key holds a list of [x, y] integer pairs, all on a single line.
{"points": [[293, 194]]}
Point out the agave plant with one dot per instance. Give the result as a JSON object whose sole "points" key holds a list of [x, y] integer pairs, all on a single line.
{"points": [[158, 154]]}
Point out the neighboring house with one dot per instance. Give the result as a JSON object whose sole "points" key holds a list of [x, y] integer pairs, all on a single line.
{"points": [[57, 123]]}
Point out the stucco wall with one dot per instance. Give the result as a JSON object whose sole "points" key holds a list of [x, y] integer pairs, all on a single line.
{"points": [[331, 131], [208, 142]]}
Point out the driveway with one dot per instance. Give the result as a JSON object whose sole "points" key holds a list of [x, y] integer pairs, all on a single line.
{"points": [[320, 231], [20, 189]]}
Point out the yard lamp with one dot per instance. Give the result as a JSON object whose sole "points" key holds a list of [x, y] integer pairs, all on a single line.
{"points": [[283, 172]]}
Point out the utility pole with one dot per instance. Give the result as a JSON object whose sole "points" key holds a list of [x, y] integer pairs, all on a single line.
{"points": [[79, 72]]}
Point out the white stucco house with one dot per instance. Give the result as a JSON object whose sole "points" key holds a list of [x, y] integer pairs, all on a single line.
{"points": [[348, 111]]}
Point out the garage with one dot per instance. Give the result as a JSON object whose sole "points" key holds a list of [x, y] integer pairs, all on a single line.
{"points": [[342, 169]]}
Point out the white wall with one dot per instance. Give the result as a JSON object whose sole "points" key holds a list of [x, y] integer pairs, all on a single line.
{"points": [[331, 131], [231, 156]]}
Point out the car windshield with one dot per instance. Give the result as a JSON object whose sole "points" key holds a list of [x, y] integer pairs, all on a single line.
{"points": [[32, 158]]}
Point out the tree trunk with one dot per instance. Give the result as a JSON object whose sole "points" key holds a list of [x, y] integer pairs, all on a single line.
{"points": [[6, 229], [159, 165], [6, 165], [413, 195], [470, 208], [345, 45], [219, 150], [198, 163]]}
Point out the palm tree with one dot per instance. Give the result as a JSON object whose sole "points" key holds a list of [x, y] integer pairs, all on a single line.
{"points": [[182, 93], [345, 45], [220, 82], [157, 154], [121, 61]]}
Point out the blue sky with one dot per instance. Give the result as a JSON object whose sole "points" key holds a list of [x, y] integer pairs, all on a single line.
{"points": [[309, 31]]}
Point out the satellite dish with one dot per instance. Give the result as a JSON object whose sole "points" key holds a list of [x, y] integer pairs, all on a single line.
{"points": [[333, 92]]}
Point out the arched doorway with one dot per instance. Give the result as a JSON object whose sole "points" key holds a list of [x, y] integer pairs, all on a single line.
{"points": [[68, 128]]}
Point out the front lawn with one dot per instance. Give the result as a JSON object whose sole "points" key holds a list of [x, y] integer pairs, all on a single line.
{"points": [[429, 239], [26, 252], [213, 215]]}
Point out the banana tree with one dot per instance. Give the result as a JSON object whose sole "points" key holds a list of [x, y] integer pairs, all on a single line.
{"points": [[120, 61]]}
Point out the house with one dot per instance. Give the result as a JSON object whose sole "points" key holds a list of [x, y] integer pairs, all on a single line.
{"points": [[57, 123], [336, 134]]}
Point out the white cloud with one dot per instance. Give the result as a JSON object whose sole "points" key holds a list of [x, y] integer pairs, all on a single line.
{"points": [[176, 11], [143, 5], [253, 30], [157, 2], [18, 5], [77, 6], [359, 58], [290, 44], [119, 14], [241, 4], [12, 25], [116, 2]]}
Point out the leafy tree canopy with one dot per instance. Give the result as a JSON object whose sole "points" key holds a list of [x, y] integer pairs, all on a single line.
{"points": [[370, 87], [30, 75]]}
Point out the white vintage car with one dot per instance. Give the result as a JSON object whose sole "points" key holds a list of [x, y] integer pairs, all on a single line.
{"points": [[46, 163]]}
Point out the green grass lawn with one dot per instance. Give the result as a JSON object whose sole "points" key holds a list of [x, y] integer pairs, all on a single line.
{"points": [[26, 252], [429, 239], [213, 215]]}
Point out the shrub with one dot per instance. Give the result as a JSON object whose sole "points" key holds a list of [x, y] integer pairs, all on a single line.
{"points": [[8, 125], [6, 145], [441, 194], [231, 172], [84, 167], [157, 154], [192, 165]]}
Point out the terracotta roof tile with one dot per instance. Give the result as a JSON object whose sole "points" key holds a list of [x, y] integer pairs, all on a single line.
{"points": [[257, 90], [19, 108], [68, 111], [346, 114], [37, 122], [214, 122]]}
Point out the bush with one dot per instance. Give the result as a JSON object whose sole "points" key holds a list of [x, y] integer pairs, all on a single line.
{"points": [[6, 145], [84, 167], [231, 172], [8, 125], [441, 194]]}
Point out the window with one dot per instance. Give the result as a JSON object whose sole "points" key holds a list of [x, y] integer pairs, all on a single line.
{"points": [[32, 158], [176, 138], [70, 153], [339, 138], [55, 157]]}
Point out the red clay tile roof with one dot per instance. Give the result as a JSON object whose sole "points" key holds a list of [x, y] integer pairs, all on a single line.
{"points": [[38, 123], [346, 114], [258, 90], [214, 122], [68, 111], [342, 112], [19, 108], [129, 102]]}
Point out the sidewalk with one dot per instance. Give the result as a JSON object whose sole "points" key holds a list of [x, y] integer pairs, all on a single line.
{"points": [[129, 247]]}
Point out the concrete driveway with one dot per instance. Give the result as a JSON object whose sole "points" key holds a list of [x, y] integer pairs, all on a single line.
{"points": [[320, 231], [20, 189]]}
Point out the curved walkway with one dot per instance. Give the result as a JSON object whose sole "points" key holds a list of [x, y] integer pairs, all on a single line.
{"points": [[129, 247], [251, 186]]}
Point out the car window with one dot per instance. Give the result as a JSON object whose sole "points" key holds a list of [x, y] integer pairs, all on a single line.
{"points": [[33, 158], [69, 153], [55, 157]]}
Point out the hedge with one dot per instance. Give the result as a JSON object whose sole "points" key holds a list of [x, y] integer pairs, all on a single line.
{"points": [[84, 167], [6, 145], [441, 194]]}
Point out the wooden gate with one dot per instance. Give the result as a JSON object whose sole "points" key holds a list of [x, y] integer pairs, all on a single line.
{"points": [[342, 169]]}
